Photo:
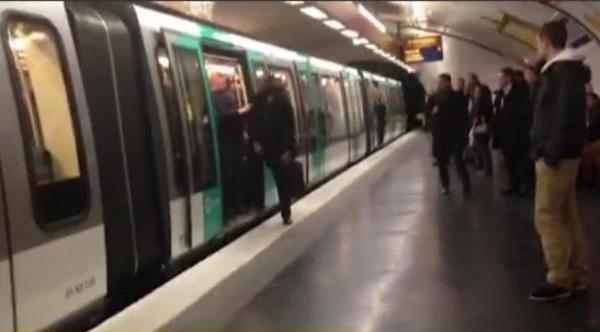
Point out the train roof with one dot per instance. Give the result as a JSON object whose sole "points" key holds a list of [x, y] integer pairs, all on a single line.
{"points": [[158, 18]]}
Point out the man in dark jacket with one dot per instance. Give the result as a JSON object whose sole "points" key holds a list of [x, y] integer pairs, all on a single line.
{"points": [[558, 135], [449, 127], [271, 128], [513, 128]]}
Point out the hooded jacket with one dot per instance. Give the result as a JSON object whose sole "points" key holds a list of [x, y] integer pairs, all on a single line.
{"points": [[558, 130]]}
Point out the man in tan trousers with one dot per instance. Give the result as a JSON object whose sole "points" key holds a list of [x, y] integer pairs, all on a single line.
{"points": [[558, 135]]}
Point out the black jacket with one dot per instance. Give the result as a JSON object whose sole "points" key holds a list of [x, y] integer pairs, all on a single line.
{"points": [[450, 124], [512, 121], [271, 124], [482, 106], [559, 115]]}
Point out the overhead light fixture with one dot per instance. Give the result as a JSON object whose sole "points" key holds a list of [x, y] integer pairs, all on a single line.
{"points": [[350, 33], [371, 46], [367, 14], [359, 41], [334, 24], [314, 12], [294, 3]]}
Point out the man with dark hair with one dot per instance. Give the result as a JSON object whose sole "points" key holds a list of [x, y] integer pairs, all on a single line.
{"points": [[272, 131], [513, 129], [449, 127], [558, 135]]}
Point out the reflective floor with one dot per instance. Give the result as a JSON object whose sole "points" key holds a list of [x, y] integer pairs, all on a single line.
{"points": [[401, 257]]}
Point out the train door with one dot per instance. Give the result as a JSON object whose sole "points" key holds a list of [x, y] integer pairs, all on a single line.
{"points": [[195, 207], [357, 126], [52, 193], [309, 88], [229, 88], [285, 75], [332, 104], [6, 313]]}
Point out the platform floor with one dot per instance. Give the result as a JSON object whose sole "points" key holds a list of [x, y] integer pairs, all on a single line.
{"points": [[400, 257]]}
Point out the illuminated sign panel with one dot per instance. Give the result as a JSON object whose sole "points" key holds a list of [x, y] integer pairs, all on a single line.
{"points": [[425, 49]]}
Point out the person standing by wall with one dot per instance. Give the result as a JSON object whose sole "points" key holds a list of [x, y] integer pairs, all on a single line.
{"points": [[450, 125], [271, 129], [558, 135]]}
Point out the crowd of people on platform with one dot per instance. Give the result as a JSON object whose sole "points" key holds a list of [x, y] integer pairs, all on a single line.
{"points": [[542, 127]]}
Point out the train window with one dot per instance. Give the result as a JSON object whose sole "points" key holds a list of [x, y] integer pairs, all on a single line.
{"points": [[285, 77], [173, 118], [332, 103], [358, 105], [51, 136], [226, 74], [196, 117]]}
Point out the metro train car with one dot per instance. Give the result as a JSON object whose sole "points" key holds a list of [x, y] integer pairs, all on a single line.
{"points": [[112, 146]]}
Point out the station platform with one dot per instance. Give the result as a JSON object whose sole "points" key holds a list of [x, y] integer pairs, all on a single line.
{"points": [[378, 248]]}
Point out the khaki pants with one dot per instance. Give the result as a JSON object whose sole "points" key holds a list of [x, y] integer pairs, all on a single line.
{"points": [[558, 224]]}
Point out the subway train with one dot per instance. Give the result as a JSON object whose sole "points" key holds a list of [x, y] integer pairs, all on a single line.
{"points": [[111, 148]]}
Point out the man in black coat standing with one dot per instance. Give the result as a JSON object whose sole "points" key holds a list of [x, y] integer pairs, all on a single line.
{"points": [[512, 125], [449, 126], [271, 128]]}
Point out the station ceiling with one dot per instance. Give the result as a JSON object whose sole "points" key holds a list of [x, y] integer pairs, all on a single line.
{"points": [[473, 21]]}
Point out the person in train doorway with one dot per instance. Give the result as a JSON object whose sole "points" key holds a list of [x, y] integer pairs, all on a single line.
{"points": [[558, 136], [513, 126], [380, 114], [271, 129], [231, 138], [449, 127]]}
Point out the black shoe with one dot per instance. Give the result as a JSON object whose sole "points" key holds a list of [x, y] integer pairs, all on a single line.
{"points": [[445, 191], [549, 292], [467, 191], [288, 221]]}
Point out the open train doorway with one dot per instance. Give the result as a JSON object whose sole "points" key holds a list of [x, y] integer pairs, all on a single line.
{"points": [[230, 97]]}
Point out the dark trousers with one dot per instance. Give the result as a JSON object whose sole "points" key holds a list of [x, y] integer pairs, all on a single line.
{"points": [[380, 131], [519, 168], [254, 195], [456, 152], [484, 155], [281, 174]]}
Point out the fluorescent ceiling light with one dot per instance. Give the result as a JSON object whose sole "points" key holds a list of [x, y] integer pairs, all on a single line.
{"points": [[334, 24], [314, 12], [294, 3], [350, 33], [371, 46], [359, 41], [367, 14]]}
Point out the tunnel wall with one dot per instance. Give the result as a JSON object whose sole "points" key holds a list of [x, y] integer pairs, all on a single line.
{"points": [[461, 58]]}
